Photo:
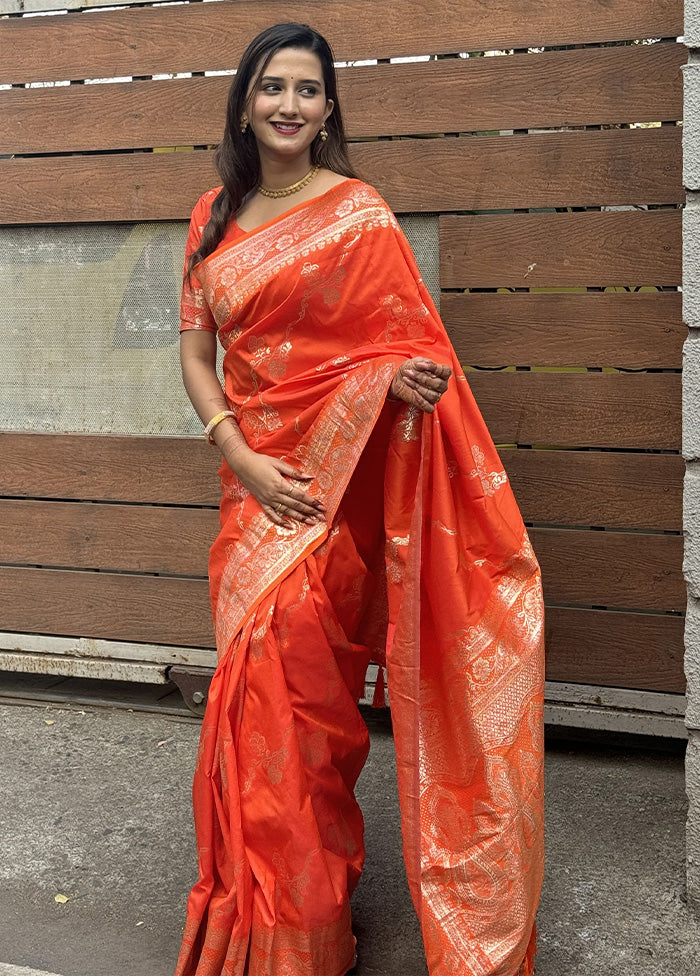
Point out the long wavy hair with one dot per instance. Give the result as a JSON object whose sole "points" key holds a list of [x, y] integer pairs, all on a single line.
{"points": [[236, 158]]}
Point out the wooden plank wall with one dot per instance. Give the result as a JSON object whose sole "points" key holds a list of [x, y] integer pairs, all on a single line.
{"points": [[563, 305]]}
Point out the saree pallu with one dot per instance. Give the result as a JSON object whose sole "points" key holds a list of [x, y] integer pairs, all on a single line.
{"points": [[423, 565]]}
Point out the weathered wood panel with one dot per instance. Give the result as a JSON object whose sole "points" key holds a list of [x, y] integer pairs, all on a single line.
{"points": [[578, 567], [129, 538], [211, 36], [568, 487], [624, 650], [629, 570], [104, 188], [614, 490], [563, 249], [175, 541], [109, 468], [616, 410], [151, 609], [631, 330], [610, 568], [604, 85], [627, 650], [612, 167]]}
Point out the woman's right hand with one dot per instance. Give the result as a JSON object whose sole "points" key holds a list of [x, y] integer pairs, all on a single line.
{"points": [[265, 477]]}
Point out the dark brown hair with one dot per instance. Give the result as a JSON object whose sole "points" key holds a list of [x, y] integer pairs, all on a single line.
{"points": [[237, 158]]}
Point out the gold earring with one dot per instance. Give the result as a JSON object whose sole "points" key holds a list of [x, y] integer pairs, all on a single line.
{"points": [[244, 122], [323, 133]]}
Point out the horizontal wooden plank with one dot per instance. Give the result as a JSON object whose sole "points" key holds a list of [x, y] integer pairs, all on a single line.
{"points": [[561, 249], [616, 490], [634, 330], [603, 85], [130, 538], [629, 570], [176, 541], [166, 610], [106, 467], [618, 410], [209, 37], [104, 188], [151, 609], [624, 491], [613, 167], [623, 650]]}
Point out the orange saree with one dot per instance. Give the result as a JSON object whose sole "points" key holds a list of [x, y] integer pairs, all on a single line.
{"points": [[423, 565]]}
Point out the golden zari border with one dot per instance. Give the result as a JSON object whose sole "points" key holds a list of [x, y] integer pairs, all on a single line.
{"points": [[266, 552]]}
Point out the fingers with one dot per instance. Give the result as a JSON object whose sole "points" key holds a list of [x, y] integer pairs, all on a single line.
{"points": [[426, 380], [430, 366], [291, 472], [291, 503], [285, 514], [422, 402], [430, 374], [277, 517], [299, 505], [428, 390]]}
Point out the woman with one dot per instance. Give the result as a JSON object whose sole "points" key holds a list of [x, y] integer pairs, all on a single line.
{"points": [[364, 514]]}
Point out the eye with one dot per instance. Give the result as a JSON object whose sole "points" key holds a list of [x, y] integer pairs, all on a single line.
{"points": [[270, 88], [309, 90]]}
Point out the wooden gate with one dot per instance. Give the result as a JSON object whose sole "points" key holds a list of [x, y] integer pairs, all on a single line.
{"points": [[539, 146]]}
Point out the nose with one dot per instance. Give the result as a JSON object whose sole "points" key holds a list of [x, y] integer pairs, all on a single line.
{"points": [[288, 102]]}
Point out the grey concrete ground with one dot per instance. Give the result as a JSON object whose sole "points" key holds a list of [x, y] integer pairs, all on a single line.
{"points": [[95, 806]]}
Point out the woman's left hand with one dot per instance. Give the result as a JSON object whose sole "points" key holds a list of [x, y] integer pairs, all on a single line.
{"points": [[420, 382]]}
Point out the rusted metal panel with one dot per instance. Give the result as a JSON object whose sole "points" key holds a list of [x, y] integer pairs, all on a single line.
{"points": [[194, 686]]}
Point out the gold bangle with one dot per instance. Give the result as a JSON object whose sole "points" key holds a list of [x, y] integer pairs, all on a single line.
{"points": [[215, 421]]}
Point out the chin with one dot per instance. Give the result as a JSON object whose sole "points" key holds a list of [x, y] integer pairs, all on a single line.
{"points": [[288, 151]]}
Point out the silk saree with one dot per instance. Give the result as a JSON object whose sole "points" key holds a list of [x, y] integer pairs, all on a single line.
{"points": [[423, 566]]}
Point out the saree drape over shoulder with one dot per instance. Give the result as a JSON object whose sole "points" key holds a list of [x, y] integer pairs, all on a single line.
{"points": [[423, 565]]}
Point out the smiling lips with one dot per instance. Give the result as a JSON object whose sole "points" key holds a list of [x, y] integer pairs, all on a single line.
{"points": [[286, 128]]}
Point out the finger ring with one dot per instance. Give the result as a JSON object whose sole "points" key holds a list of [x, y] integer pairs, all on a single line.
{"points": [[278, 508]]}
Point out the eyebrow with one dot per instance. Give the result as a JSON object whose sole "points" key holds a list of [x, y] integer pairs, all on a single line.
{"points": [[302, 81]]}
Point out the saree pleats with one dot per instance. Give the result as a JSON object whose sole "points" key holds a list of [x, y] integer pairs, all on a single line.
{"points": [[424, 565], [279, 830]]}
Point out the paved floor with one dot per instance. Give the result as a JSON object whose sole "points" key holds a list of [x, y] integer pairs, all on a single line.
{"points": [[7, 970], [95, 807]]}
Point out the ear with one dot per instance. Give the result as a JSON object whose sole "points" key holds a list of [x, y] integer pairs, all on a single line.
{"points": [[330, 104]]}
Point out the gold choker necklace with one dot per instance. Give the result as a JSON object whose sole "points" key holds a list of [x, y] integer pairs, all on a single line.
{"points": [[287, 191]]}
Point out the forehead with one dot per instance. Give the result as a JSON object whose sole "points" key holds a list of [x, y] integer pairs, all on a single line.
{"points": [[294, 63]]}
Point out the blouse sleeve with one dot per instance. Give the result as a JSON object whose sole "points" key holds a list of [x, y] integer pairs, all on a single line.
{"points": [[194, 310]]}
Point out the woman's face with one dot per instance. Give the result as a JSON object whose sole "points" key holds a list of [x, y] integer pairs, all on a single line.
{"points": [[288, 104]]}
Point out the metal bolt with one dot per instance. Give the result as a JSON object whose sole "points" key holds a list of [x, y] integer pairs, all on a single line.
{"points": [[197, 697]]}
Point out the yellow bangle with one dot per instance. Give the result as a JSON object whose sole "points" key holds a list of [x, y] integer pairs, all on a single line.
{"points": [[214, 422]]}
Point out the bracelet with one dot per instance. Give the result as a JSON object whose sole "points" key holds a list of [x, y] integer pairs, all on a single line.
{"points": [[214, 422]]}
